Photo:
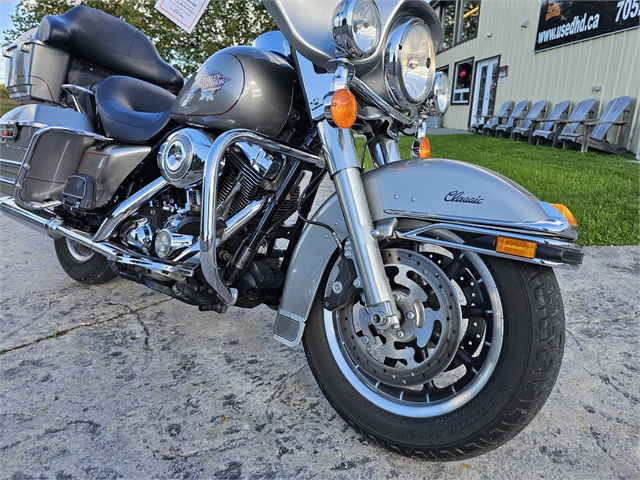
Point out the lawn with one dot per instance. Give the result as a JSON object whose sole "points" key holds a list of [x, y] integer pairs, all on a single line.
{"points": [[602, 190]]}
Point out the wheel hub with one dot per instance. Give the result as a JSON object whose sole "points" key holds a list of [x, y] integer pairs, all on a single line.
{"points": [[430, 328]]}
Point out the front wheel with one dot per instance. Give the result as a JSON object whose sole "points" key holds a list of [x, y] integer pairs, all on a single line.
{"points": [[475, 358], [82, 264]]}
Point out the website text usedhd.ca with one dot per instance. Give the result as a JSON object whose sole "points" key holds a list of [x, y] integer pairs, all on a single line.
{"points": [[578, 25]]}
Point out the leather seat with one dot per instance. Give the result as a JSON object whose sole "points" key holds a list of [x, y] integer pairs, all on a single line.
{"points": [[109, 43], [131, 110]]}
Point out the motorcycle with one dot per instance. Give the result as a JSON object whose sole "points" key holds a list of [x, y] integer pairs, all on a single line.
{"points": [[422, 290]]}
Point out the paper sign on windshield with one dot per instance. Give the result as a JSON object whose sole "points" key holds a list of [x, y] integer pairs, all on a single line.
{"points": [[184, 13]]}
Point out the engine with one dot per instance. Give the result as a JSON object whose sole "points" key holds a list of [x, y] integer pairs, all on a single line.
{"points": [[168, 227]]}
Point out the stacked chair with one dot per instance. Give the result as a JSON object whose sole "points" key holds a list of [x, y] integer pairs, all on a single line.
{"points": [[492, 128], [536, 114], [579, 128], [492, 121], [560, 111], [581, 112], [616, 113], [519, 112]]}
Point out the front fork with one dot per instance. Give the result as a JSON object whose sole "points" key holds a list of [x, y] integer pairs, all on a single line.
{"points": [[342, 162]]}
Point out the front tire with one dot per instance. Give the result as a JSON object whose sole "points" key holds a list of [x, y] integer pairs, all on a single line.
{"points": [[81, 264], [505, 320]]}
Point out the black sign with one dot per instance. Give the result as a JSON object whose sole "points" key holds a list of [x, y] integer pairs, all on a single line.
{"points": [[562, 23]]}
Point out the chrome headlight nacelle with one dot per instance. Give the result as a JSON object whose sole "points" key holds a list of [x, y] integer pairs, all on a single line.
{"points": [[410, 64], [357, 28], [181, 158]]}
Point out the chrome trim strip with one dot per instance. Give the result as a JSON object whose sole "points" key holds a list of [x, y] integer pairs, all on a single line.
{"points": [[489, 231], [553, 227], [6, 181], [15, 147], [208, 258], [433, 228], [10, 163]]}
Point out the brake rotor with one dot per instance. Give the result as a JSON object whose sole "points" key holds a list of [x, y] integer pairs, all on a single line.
{"points": [[430, 326]]}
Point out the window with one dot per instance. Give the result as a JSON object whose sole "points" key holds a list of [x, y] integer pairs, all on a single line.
{"points": [[462, 82], [459, 20], [469, 22], [448, 23]]}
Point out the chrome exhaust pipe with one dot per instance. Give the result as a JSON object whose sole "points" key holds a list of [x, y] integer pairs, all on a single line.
{"points": [[47, 223], [36, 221]]}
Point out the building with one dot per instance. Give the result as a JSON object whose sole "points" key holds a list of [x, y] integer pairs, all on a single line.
{"points": [[500, 50]]}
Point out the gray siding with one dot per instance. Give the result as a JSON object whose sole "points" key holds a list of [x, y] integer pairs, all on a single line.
{"points": [[611, 62]]}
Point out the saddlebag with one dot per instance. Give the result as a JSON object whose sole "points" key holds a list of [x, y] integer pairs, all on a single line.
{"points": [[56, 156]]}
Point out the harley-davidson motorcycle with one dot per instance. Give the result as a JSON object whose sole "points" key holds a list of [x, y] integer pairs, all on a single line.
{"points": [[422, 289]]}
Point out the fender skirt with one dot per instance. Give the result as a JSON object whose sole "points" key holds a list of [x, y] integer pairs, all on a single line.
{"points": [[443, 194]]}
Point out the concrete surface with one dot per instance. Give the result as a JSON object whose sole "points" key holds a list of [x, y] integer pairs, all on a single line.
{"points": [[116, 381]]}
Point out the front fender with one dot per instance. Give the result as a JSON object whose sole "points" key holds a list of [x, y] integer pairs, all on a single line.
{"points": [[435, 190]]}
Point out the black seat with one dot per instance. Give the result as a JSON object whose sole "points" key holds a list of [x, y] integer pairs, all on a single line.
{"points": [[133, 111], [109, 43]]}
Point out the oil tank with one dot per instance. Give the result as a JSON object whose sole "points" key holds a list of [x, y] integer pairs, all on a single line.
{"points": [[238, 87]]}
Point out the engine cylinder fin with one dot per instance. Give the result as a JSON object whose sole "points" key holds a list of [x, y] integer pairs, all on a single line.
{"points": [[238, 170]]}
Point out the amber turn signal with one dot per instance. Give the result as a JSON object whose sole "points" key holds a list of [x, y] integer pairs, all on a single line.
{"points": [[566, 213], [344, 108], [425, 148], [519, 248]]}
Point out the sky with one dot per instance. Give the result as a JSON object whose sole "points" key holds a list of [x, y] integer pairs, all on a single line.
{"points": [[7, 8]]}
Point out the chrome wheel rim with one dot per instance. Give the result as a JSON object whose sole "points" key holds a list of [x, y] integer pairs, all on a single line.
{"points": [[475, 336], [78, 252]]}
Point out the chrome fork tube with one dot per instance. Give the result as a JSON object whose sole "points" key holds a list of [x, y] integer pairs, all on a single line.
{"points": [[342, 161]]}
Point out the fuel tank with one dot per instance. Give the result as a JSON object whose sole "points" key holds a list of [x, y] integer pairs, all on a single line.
{"points": [[238, 87]]}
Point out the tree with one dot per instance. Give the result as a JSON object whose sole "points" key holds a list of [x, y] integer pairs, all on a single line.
{"points": [[224, 23]]}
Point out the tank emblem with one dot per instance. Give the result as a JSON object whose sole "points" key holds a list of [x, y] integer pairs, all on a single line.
{"points": [[211, 82]]}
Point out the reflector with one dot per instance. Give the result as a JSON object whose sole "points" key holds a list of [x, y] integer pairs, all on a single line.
{"points": [[519, 248]]}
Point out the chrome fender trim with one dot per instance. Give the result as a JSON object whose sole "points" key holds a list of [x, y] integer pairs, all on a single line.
{"points": [[451, 195]]}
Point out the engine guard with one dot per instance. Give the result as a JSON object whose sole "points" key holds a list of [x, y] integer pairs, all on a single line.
{"points": [[444, 194]]}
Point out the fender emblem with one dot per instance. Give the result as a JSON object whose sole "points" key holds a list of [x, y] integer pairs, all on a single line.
{"points": [[458, 197]]}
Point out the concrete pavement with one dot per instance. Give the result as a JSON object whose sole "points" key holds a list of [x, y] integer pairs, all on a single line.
{"points": [[116, 381]]}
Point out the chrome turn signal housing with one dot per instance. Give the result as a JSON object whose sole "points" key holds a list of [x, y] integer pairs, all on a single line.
{"points": [[357, 28]]}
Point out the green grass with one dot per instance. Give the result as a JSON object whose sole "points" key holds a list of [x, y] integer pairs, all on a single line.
{"points": [[602, 190]]}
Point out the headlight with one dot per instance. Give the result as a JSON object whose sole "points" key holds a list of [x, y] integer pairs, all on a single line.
{"points": [[441, 93], [409, 64], [356, 28], [181, 158]]}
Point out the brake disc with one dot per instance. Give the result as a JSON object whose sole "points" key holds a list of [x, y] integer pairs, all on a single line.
{"points": [[430, 326]]}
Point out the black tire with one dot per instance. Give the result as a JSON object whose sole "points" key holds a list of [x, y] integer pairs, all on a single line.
{"points": [[498, 388], [82, 264]]}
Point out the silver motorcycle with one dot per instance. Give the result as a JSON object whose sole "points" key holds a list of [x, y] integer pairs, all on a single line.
{"points": [[422, 289]]}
